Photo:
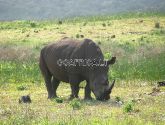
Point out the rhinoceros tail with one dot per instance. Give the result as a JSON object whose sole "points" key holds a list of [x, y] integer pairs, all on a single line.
{"points": [[42, 64]]}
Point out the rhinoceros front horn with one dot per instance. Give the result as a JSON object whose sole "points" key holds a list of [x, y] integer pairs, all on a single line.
{"points": [[111, 87]]}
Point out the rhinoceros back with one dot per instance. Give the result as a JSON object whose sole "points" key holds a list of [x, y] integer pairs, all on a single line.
{"points": [[67, 49]]}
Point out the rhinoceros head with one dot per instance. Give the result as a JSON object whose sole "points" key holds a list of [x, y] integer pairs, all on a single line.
{"points": [[99, 83]]}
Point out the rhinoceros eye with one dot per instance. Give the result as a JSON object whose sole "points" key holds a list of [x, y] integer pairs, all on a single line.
{"points": [[105, 82]]}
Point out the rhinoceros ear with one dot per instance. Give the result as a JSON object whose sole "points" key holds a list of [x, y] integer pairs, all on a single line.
{"points": [[111, 61]]}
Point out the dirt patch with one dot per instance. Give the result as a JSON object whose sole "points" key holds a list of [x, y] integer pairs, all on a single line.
{"points": [[156, 92], [137, 33], [16, 53]]}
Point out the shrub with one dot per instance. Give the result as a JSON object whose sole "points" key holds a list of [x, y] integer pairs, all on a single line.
{"points": [[59, 100], [109, 24], [85, 23], [77, 36], [59, 22], [157, 25], [113, 36], [33, 24], [128, 107], [104, 25], [23, 30], [99, 43], [75, 104], [21, 88], [107, 55], [117, 98], [36, 31]]}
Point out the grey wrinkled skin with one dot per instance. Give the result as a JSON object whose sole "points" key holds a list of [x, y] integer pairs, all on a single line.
{"points": [[96, 77]]}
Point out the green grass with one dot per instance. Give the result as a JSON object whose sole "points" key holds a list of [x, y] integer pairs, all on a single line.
{"points": [[146, 69], [17, 72], [138, 46]]}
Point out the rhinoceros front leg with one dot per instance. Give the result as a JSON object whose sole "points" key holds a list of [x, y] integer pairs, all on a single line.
{"points": [[87, 92], [74, 83], [75, 90]]}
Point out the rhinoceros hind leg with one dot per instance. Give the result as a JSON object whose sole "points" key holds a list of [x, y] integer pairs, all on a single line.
{"points": [[55, 84], [46, 74], [47, 78], [49, 86]]}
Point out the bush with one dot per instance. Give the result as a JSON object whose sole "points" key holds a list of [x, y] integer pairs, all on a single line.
{"points": [[21, 88], [99, 43], [85, 23], [33, 24], [104, 25], [117, 98], [107, 55], [75, 104], [128, 107], [77, 36], [59, 100], [59, 22], [157, 25]]}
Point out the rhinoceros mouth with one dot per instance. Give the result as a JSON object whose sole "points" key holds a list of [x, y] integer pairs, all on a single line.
{"points": [[106, 95], [103, 97]]}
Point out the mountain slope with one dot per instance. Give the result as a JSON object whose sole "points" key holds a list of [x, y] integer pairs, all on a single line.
{"points": [[49, 9]]}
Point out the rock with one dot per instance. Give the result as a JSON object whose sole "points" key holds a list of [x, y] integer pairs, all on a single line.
{"points": [[161, 83], [113, 36], [82, 36], [25, 99], [141, 21], [157, 25], [99, 43], [119, 102]]}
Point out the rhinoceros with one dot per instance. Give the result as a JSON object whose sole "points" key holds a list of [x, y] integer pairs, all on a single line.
{"points": [[73, 61]]}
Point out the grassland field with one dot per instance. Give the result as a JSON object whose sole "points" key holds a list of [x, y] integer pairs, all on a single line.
{"points": [[136, 39]]}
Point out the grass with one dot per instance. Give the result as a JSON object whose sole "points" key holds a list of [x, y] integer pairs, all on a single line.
{"points": [[128, 107], [17, 72], [146, 69], [138, 46], [42, 111], [75, 104]]}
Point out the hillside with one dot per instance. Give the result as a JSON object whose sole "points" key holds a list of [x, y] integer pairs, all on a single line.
{"points": [[50, 9]]}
